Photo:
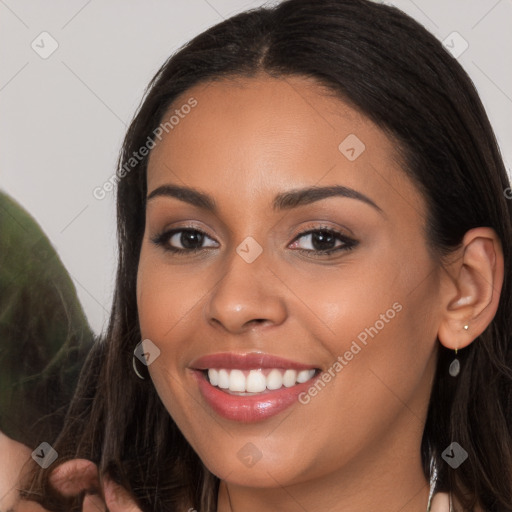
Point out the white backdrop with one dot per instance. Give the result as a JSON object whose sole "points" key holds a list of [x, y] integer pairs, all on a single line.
{"points": [[73, 72]]}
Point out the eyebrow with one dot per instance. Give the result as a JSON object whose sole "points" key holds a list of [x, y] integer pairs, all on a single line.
{"points": [[283, 201]]}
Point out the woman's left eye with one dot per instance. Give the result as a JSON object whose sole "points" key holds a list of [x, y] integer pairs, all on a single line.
{"points": [[323, 241]]}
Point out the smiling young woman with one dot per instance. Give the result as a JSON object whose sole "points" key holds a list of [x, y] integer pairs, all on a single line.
{"points": [[328, 222]]}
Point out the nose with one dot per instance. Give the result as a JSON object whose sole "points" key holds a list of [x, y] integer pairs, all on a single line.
{"points": [[247, 295]]}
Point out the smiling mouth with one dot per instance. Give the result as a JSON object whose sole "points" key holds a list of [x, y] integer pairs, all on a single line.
{"points": [[257, 381]]}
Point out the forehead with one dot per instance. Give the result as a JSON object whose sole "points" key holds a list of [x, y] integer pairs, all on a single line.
{"points": [[249, 137]]}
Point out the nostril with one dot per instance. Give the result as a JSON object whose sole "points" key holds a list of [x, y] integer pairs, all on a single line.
{"points": [[258, 320]]}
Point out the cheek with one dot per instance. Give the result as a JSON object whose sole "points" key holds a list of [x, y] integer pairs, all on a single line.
{"points": [[347, 300], [379, 316], [163, 302], [166, 296]]}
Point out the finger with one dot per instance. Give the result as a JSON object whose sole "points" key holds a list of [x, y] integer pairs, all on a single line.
{"points": [[75, 476], [93, 503], [117, 498]]}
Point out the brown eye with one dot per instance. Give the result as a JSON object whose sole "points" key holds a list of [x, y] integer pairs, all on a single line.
{"points": [[323, 241], [190, 240]]}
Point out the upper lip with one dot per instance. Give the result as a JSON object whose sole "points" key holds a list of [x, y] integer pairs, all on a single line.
{"points": [[248, 361]]}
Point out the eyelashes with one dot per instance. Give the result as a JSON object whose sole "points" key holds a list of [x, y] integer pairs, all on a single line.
{"points": [[163, 240], [327, 235], [188, 237]]}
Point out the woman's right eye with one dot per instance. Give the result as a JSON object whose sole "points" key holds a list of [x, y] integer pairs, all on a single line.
{"points": [[191, 240]]}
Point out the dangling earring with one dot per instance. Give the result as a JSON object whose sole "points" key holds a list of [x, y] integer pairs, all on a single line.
{"points": [[135, 369], [455, 364]]}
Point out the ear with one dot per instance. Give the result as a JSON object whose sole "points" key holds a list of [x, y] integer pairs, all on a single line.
{"points": [[471, 288]]}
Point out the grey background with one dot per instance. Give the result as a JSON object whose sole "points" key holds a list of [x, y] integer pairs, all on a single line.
{"points": [[63, 117]]}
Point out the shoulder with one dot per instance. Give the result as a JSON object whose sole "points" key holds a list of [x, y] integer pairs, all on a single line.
{"points": [[14, 457], [440, 502]]}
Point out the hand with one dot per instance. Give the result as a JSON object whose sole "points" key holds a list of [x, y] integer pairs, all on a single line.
{"points": [[77, 475]]}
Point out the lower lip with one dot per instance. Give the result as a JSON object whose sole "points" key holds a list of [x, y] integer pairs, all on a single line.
{"points": [[250, 408]]}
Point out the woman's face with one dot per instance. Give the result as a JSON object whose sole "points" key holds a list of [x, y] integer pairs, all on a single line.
{"points": [[358, 325]]}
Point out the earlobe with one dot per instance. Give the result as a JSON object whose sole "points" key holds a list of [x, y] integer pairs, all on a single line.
{"points": [[471, 288]]}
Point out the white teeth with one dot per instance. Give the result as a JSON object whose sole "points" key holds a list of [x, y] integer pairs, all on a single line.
{"points": [[256, 381], [213, 375], [237, 380], [305, 375], [274, 379], [289, 378], [223, 379]]}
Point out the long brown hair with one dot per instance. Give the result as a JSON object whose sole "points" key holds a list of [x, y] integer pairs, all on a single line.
{"points": [[400, 76]]}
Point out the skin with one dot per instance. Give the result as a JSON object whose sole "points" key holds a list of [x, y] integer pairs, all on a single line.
{"points": [[14, 456], [355, 446], [73, 477], [357, 449]]}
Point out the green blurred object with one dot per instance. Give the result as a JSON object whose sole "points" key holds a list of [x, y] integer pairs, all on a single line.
{"points": [[44, 334]]}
